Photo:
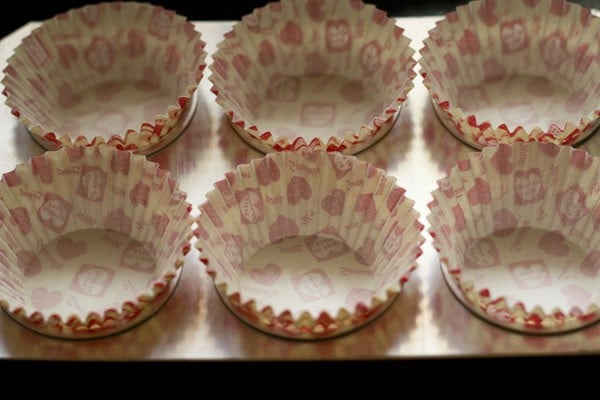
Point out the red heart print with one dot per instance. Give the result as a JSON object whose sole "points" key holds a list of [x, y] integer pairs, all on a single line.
{"points": [[136, 44], [468, 43], [291, 34], [54, 212], [338, 35], [554, 244], [576, 101], [333, 203], [480, 193], [358, 296], [550, 149], [530, 274], [529, 186], [140, 194], [560, 8], [326, 244], [105, 91], [341, 164], [29, 263], [487, 12], [366, 204], [581, 159], [494, 70], [43, 299], [365, 254], [298, 189], [159, 222], [211, 213], [150, 82], [20, 216], [505, 222], [570, 204], [120, 162], [66, 97], [267, 275], [577, 296], [317, 114], [482, 254], [118, 221], [396, 195], [12, 178], [68, 248], [266, 53], [502, 159], [75, 153], [316, 65], [67, 55], [459, 218], [352, 92], [313, 285], [590, 266], [283, 228], [267, 171], [540, 86], [241, 63], [314, 9], [42, 167]]}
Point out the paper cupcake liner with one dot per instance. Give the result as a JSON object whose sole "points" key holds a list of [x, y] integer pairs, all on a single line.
{"points": [[515, 70], [308, 244], [518, 229], [119, 73], [91, 241], [313, 74]]}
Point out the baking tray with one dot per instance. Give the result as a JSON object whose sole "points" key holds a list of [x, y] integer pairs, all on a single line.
{"points": [[426, 320]]}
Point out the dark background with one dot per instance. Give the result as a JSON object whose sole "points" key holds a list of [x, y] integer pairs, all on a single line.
{"points": [[23, 12]]}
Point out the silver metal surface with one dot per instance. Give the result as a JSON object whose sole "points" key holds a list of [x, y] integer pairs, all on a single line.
{"points": [[424, 321]]}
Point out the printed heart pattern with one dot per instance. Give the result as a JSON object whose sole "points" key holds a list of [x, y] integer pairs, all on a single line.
{"points": [[560, 8], [540, 86], [242, 64], [267, 171], [267, 275], [370, 57], [530, 274], [92, 183], [358, 296], [452, 68], [317, 114], [342, 165], [283, 228], [136, 44], [596, 218], [576, 295], [468, 43], [291, 34], [298, 189], [590, 266], [460, 222], [266, 53], [150, 82], [42, 168], [11, 178], [365, 254], [67, 55], [92, 280], [480, 193], [501, 159], [514, 36], [54, 212], [494, 70], [118, 221], [366, 205], [160, 24], [338, 35], [551, 150], [528, 186], [283, 88], [570, 204], [393, 242], [352, 92], [106, 91], [43, 299], [326, 245], [99, 55], [68, 249], [553, 50], [29, 263], [120, 162], [505, 222], [313, 285], [482, 254], [251, 205], [139, 194], [396, 195], [576, 101], [137, 257], [315, 10], [554, 244], [209, 210], [159, 222], [20, 216], [333, 204], [487, 12], [75, 153], [316, 65], [581, 159]]}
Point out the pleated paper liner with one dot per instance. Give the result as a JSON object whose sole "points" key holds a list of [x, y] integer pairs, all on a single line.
{"points": [[515, 70], [119, 73], [91, 242], [518, 228], [328, 75], [308, 245]]}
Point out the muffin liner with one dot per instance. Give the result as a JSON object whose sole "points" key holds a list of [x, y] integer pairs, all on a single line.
{"points": [[327, 75], [91, 241], [120, 73], [308, 244], [515, 70], [518, 228]]}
